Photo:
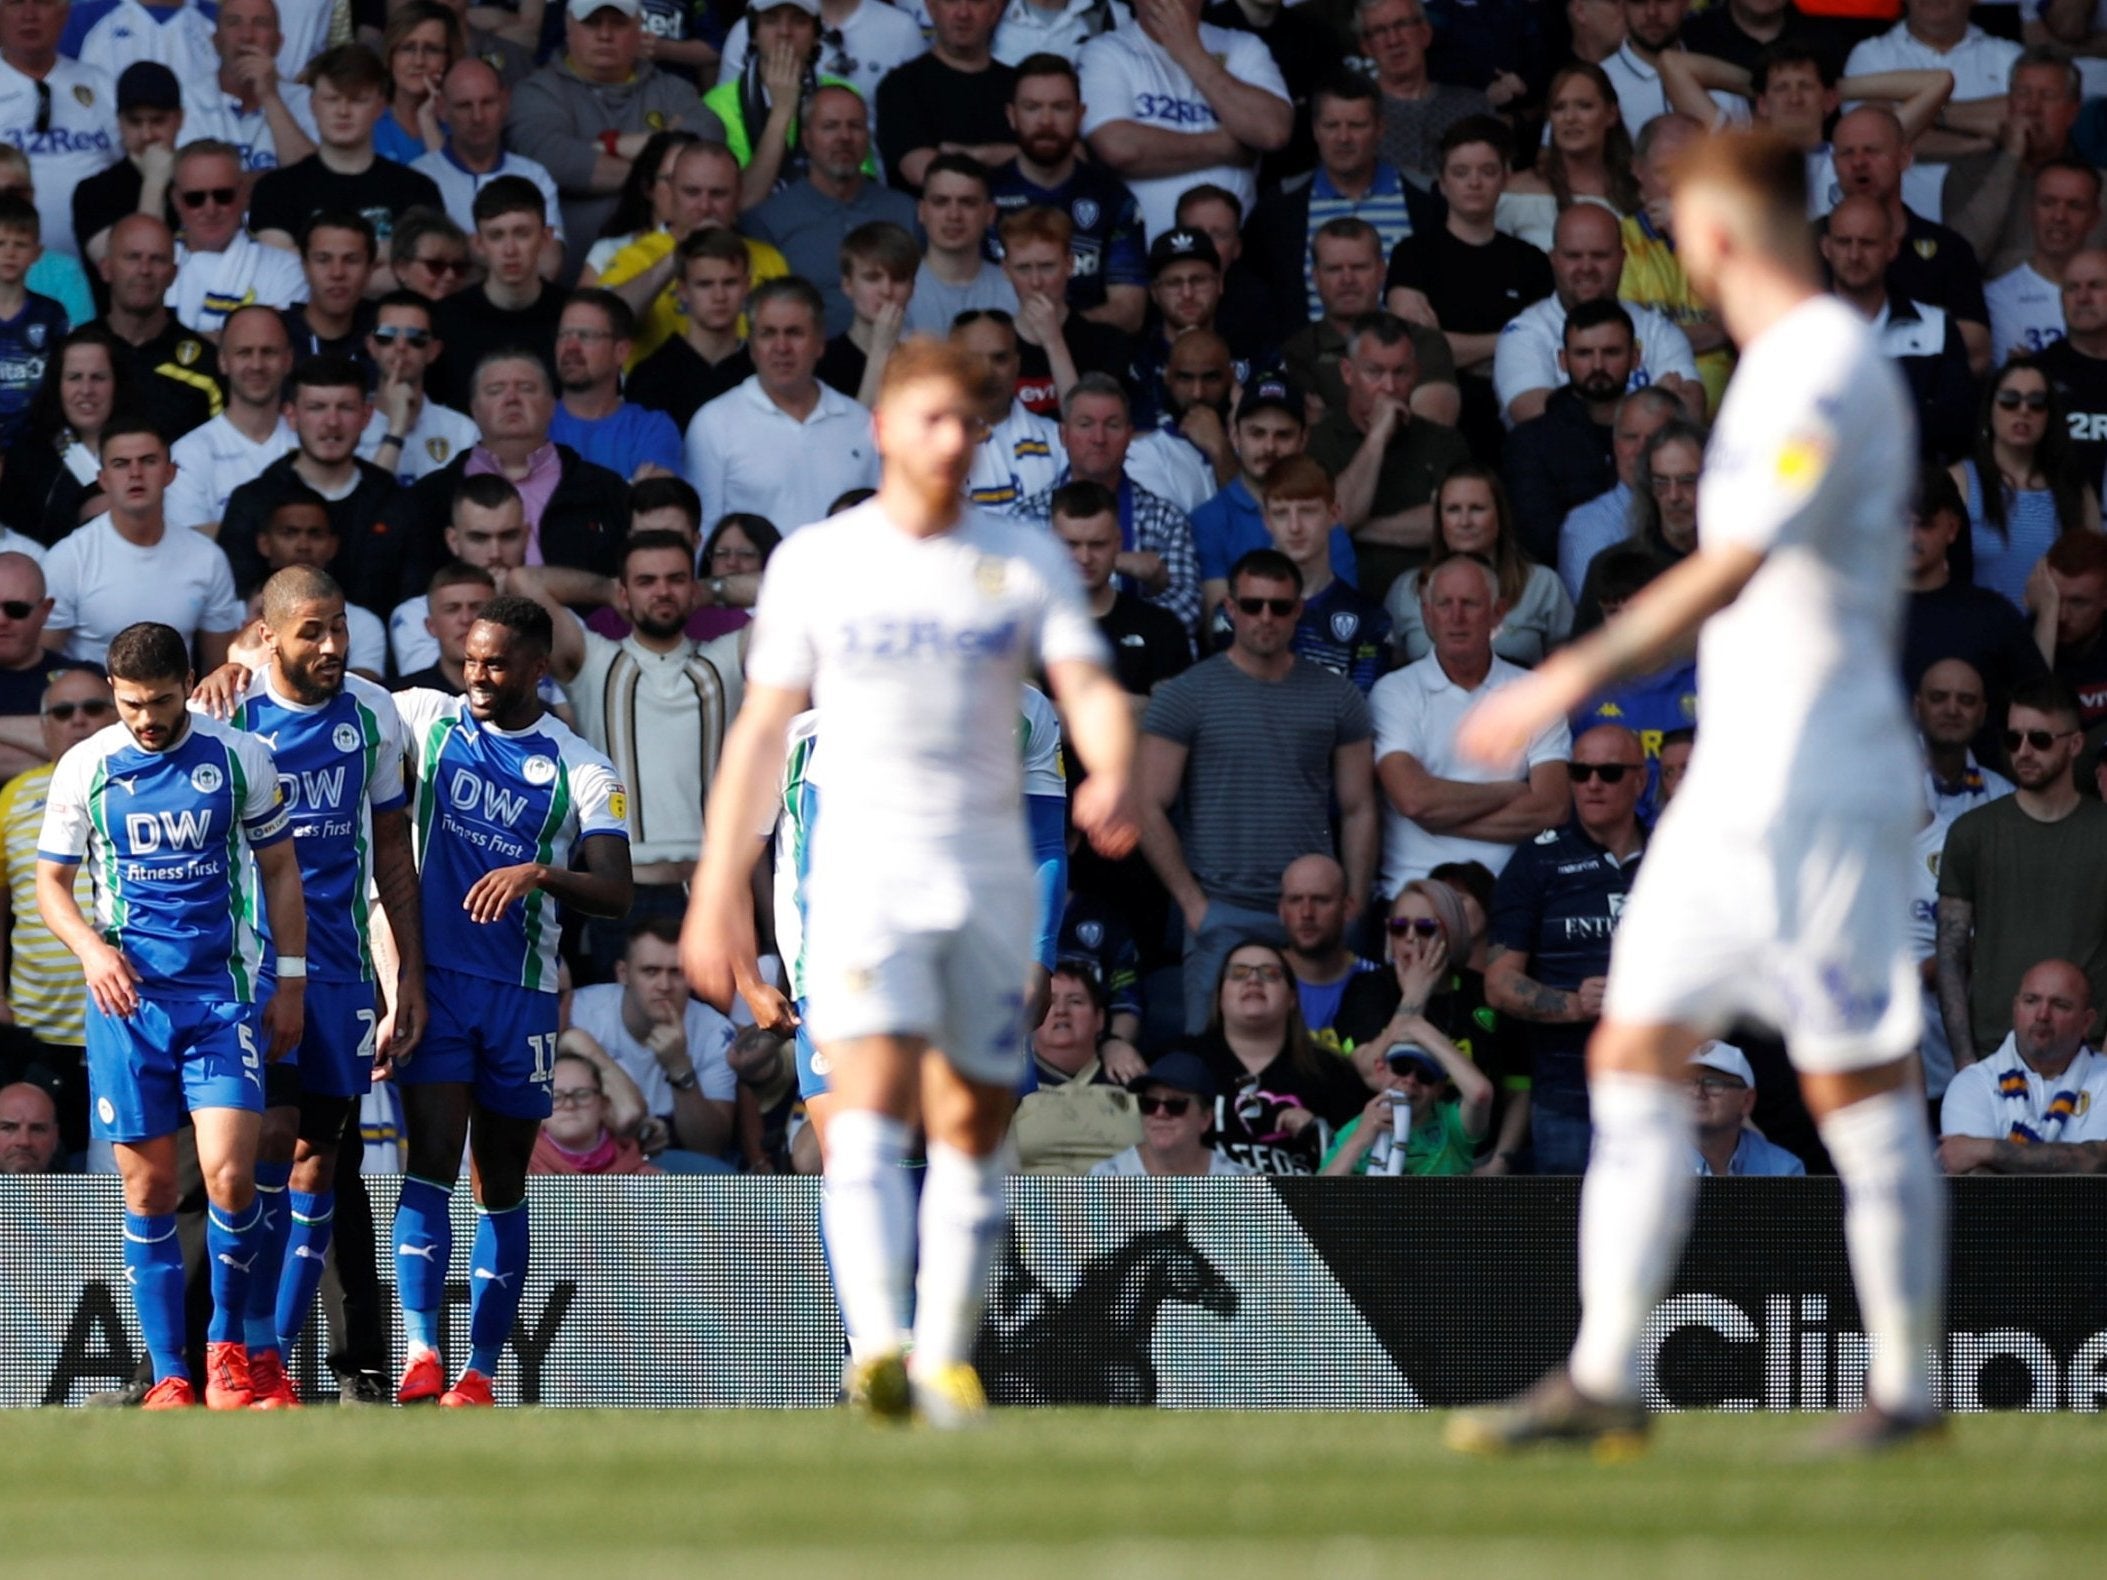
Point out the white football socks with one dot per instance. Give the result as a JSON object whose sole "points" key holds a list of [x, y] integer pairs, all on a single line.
{"points": [[1895, 1226], [1634, 1215], [869, 1209], [963, 1211]]}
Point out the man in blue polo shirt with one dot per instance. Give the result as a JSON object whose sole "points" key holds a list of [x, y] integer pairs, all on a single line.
{"points": [[1554, 912], [1723, 1087]]}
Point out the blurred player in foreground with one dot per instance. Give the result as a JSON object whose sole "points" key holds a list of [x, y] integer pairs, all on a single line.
{"points": [[1778, 886], [910, 622], [177, 815]]}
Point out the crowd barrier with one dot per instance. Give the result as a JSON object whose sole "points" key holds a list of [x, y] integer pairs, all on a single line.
{"points": [[1184, 1294]]}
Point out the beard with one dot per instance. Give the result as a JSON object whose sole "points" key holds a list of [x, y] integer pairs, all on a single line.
{"points": [[1598, 387]]}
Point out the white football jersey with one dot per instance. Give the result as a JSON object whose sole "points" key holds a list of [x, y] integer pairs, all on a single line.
{"points": [[1811, 464], [914, 650]]}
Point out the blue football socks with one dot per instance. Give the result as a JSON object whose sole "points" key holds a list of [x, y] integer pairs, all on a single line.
{"points": [[306, 1252], [153, 1266], [424, 1245], [233, 1242], [497, 1270]]}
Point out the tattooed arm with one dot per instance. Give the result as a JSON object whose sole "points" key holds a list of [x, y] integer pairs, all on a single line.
{"points": [[1509, 989], [1956, 950]]}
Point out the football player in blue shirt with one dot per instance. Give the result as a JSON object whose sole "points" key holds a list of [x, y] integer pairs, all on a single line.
{"points": [[339, 744], [177, 815], [504, 794]]}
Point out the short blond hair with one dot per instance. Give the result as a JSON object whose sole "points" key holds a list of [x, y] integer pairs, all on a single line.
{"points": [[921, 359]]}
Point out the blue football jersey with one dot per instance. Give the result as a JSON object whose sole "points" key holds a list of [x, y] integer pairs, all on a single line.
{"points": [[168, 837], [338, 764], [26, 343], [487, 799]]}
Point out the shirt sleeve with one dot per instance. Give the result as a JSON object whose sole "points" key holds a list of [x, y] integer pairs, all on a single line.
{"points": [[62, 585], [1356, 720], [709, 1036], [1970, 1105], [1397, 707], [1174, 711], [64, 836], [265, 816], [1781, 457], [1957, 860], [601, 801], [702, 466], [1523, 359], [1108, 89], [782, 652], [220, 611], [1666, 348], [386, 789], [1250, 62]]}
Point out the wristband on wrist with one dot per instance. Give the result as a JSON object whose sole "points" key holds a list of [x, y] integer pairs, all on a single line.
{"points": [[682, 1083], [292, 968], [396, 439]]}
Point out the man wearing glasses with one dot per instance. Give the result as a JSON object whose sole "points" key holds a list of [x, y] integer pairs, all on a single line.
{"points": [[1554, 913], [26, 669], [219, 266], [2023, 879], [1723, 1086], [59, 112], [408, 431]]}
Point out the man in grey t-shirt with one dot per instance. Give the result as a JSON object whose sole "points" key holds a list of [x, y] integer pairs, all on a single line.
{"points": [[1260, 745]]}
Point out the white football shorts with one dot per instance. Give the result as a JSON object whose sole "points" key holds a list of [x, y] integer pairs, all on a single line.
{"points": [[1803, 927], [941, 956]]}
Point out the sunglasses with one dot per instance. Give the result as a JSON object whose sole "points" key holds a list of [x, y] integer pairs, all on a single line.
{"points": [[2040, 740], [1608, 773], [64, 711], [1717, 1083], [442, 265], [223, 196], [2012, 400], [1425, 926], [1256, 973], [18, 608], [1279, 607], [1176, 1107], [389, 334]]}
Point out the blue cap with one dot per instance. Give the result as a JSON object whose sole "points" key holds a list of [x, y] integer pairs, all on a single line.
{"points": [[1181, 1071], [1411, 1058]]}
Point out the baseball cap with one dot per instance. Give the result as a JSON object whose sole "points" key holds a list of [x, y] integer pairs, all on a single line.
{"points": [[809, 7], [1727, 1060], [1409, 1058], [584, 10], [1181, 1071], [1181, 246], [148, 85], [1272, 391]]}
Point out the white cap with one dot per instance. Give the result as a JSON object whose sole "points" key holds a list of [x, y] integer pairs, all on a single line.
{"points": [[1727, 1060], [582, 10], [761, 7]]}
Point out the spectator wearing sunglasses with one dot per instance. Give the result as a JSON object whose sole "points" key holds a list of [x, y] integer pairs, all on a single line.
{"points": [[1411, 1125], [429, 253], [219, 266], [26, 669], [2020, 490], [59, 111], [409, 432], [1176, 1099], [2023, 879], [43, 981], [1554, 914]]}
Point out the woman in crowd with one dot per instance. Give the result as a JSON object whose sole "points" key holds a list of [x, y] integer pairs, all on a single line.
{"points": [[1436, 937], [1281, 1096], [421, 44], [1472, 516], [2021, 491], [50, 483], [577, 1137], [1586, 160], [738, 547], [645, 203]]}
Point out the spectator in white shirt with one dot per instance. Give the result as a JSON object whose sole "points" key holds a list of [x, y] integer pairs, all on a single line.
{"points": [[1437, 807], [219, 266], [234, 447], [60, 112], [2034, 1128], [782, 444], [417, 434], [1937, 35], [2026, 303], [1173, 102], [253, 103]]}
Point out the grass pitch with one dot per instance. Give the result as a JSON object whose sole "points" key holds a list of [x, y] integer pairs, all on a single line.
{"points": [[1056, 1493]]}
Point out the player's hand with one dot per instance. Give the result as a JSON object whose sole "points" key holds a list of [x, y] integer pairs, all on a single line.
{"points": [[219, 691], [1588, 997], [402, 1028], [111, 981], [283, 1019], [718, 954], [497, 892], [1966, 1154], [1122, 1061], [1496, 732], [771, 1010], [1103, 809]]}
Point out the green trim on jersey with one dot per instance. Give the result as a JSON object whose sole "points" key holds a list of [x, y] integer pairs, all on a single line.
{"points": [[538, 900], [241, 884], [361, 914], [428, 753], [106, 880]]}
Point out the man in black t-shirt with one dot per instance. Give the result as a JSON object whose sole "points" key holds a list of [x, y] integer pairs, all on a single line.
{"points": [[1148, 644], [174, 372], [1741, 30], [343, 174], [2077, 364], [513, 306], [1950, 618], [337, 254], [956, 98]]}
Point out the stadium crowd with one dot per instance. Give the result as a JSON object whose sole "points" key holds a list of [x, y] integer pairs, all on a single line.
{"points": [[1342, 343]]}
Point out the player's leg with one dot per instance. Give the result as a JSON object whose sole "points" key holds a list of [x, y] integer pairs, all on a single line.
{"points": [[274, 1168], [1873, 1123], [500, 1145], [868, 1206], [310, 1209], [435, 1118], [226, 1140], [962, 1213]]}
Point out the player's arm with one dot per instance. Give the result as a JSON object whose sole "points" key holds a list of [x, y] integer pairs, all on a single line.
{"points": [[1956, 956], [717, 946], [604, 888], [1360, 819], [1654, 627], [285, 902], [111, 981], [1099, 723], [395, 877]]}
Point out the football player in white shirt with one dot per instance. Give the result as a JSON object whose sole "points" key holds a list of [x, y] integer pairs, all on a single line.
{"points": [[910, 622], [1777, 887]]}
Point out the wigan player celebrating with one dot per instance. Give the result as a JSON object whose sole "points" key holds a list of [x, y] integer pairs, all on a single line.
{"points": [[169, 809], [504, 793], [338, 743], [910, 622], [1778, 887]]}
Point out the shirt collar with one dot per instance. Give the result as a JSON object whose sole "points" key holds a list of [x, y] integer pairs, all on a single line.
{"points": [[1387, 183], [539, 464]]}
